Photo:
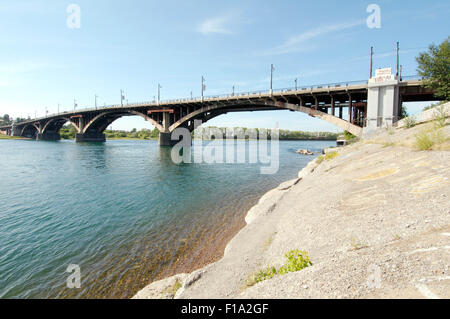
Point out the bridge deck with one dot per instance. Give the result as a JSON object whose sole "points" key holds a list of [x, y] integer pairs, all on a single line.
{"points": [[325, 96]]}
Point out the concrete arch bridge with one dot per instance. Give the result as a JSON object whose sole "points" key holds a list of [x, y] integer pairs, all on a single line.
{"points": [[346, 105]]}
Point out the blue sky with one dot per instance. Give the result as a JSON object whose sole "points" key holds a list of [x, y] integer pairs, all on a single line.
{"points": [[134, 45]]}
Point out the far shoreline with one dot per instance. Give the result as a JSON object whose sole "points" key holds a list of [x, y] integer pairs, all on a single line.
{"points": [[6, 137]]}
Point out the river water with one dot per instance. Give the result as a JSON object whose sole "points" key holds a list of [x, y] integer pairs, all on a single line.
{"points": [[122, 211]]}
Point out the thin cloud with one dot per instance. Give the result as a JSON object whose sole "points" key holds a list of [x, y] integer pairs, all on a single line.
{"points": [[218, 25], [294, 43], [22, 67]]}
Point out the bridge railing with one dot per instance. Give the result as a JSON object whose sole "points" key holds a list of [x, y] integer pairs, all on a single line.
{"points": [[250, 93]]}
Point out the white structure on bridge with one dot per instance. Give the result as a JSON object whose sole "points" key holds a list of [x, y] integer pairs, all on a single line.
{"points": [[382, 100]]}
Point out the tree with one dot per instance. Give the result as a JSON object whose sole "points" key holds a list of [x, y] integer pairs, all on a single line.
{"points": [[434, 67], [403, 112]]}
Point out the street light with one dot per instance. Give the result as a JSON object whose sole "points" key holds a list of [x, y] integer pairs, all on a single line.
{"points": [[233, 91], [159, 93], [371, 61], [122, 97], [96, 96], [398, 59], [203, 86], [296, 84], [75, 104], [271, 78]]}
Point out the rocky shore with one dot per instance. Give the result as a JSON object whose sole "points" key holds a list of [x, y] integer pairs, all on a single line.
{"points": [[373, 216]]}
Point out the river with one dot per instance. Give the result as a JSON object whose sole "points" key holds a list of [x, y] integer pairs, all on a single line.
{"points": [[122, 211]]}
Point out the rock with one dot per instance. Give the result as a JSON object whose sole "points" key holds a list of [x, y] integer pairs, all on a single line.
{"points": [[304, 152]]}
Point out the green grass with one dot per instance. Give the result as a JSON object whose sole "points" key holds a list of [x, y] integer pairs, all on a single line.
{"points": [[357, 245], [424, 142], [328, 156], [7, 137], [265, 274], [172, 290], [331, 155], [349, 136], [427, 139], [440, 116], [320, 159], [296, 261], [410, 122]]}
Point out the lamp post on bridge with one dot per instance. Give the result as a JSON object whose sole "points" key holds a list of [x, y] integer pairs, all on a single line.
{"points": [[203, 86], [75, 104], [398, 59], [371, 62], [233, 91], [122, 97], [296, 84], [159, 93], [271, 78], [96, 96]]}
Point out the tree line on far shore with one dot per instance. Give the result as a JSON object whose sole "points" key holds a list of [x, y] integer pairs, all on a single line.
{"points": [[7, 120], [68, 132]]}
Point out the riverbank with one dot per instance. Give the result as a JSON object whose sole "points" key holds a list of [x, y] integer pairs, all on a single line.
{"points": [[381, 229], [7, 137]]}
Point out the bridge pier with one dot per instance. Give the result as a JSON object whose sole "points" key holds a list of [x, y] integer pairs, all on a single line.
{"points": [[165, 139], [90, 137], [382, 100], [48, 136]]}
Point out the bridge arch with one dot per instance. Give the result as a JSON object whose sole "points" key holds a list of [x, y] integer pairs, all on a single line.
{"points": [[210, 111], [30, 130], [100, 122], [56, 124]]}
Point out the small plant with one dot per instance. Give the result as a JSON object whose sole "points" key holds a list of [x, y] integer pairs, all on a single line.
{"points": [[348, 136], [320, 159], [440, 116], [424, 141], [261, 275], [410, 122], [357, 245], [331, 155], [172, 290], [297, 260]]}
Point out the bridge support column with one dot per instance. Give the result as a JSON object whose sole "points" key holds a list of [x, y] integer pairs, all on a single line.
{"points": [[382, 100], [165, 139], [15, 131], [48, 136], [90, 137]]}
